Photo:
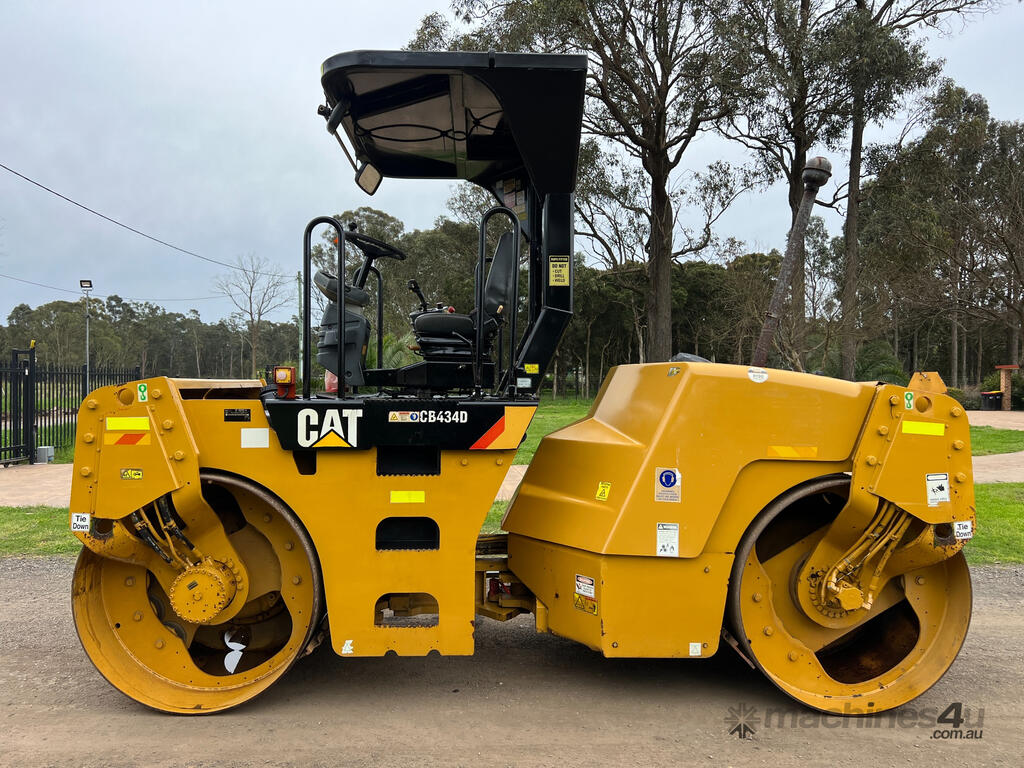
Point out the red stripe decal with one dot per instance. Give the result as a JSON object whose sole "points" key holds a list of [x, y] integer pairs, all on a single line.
{"points": [[489, 436], [130, 439]]}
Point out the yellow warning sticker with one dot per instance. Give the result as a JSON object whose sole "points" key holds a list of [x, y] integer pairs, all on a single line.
{"points": [[585, 604], [531, 368], [923, 428], [131, 474], [603, 489], [128, 423], [408, 497], [558, 270], [793, 451]]}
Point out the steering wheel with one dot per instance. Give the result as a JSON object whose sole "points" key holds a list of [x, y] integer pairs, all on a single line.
{"points": [[372, 249]]}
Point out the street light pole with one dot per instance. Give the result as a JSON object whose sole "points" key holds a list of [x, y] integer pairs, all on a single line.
{"points": [[86, 286]]}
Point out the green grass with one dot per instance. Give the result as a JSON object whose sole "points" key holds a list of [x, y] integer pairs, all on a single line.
{"points": [[549, 417], [36, 531], [986, 441], [492, 524], [1000, 535], [999, 538]]}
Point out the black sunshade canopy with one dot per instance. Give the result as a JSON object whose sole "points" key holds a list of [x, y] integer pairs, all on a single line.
{"points": [[484, 117]]}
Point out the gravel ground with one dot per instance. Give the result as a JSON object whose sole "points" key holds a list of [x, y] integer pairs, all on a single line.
{"points": [[523, 699]]}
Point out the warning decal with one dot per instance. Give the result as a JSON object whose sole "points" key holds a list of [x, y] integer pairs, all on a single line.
{"points": [[666, 484], [938, 488], [558, 270], [668, 540], [584, 586], [127, 430], [603, 489], [585, 604]]}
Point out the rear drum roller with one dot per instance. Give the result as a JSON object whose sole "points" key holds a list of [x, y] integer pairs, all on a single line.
{"points": [[870, 660], [165, 652]]}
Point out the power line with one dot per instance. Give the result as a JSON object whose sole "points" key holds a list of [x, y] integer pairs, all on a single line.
{"points": [[98, 296], [131, 229]]}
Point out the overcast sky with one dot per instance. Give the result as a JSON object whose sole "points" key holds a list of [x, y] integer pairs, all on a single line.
{"points": [[196, 122]]}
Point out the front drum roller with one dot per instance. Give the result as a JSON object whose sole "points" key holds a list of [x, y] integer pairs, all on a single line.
{"points": [[883, 657], [135, 635]]}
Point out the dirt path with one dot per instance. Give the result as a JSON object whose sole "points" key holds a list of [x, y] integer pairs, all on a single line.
{"points": [[523, 699]]}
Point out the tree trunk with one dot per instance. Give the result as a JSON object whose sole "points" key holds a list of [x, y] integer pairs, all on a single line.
{"points": [[800, 307], [981, 353], [914, 358], [586, 369], [796, 191], [641, 352], [895, 334], [954, 348], [659, 271], [794, 247], [848, 300], [965, 339]]}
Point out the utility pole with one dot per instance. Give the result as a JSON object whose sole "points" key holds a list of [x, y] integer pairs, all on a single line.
{"points": [[86, 286], [816, 173]]}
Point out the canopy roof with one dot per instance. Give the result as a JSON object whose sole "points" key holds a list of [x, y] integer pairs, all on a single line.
{"points": [[484, 117]]}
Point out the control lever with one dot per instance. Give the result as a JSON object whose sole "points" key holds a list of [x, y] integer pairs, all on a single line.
{"points": [[413, 286]]}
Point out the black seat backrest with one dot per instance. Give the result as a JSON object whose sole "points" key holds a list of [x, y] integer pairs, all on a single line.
{"points": [[500, 280]]}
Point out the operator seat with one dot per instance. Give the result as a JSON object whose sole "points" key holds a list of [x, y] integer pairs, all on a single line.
{"points": [[445, 335]]}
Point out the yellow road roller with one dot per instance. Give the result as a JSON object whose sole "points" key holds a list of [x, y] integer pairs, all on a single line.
{"points": [[231, 527]]}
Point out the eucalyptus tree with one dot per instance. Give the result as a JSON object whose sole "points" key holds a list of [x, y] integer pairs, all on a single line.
{"points": [[885, 63], [660, 73], [819, 63]]}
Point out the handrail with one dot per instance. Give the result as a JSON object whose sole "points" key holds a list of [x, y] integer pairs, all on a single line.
{"points": [[307, 285], [481, 277], [380, 321]]}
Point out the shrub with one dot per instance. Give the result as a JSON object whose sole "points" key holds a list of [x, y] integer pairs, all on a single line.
{"points": [[969, 398], [991, 384]]}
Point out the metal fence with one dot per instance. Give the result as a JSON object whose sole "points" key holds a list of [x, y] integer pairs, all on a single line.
{"points": [[39, 403]]}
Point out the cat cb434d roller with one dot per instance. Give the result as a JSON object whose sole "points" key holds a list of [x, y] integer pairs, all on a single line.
{"points": [[816, 525]]}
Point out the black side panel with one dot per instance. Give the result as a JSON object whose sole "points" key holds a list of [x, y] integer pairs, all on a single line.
{"points": [[408, 460], [408, 533]]}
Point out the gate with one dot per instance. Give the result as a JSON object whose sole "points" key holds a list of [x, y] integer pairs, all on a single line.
{"points": [[39, 403], [17, 406]]}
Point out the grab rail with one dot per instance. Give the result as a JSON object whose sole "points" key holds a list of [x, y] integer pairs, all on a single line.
{"points": [[307, 285]]}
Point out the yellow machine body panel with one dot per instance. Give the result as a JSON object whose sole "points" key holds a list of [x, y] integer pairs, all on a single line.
{"points": [[650, 494], [340, 498]]}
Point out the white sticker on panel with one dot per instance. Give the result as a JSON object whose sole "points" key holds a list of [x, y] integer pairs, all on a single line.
{"points": [[667, 485], [937, 484], [584, 586], [255, 437], [757, 375], [668, 540]]}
